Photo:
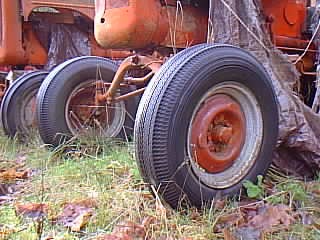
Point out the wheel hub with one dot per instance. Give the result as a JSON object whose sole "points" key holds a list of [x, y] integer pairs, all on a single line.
{"points": [[83, 116], [218, 133]]}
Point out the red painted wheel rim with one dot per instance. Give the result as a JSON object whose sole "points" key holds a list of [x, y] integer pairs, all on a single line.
{"points": [[218, 133]]}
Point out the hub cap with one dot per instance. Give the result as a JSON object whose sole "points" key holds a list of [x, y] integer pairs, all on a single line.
{"points": [[225, 135], [218, 133]]}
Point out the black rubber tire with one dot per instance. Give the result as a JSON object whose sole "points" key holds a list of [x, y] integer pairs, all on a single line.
{"points": [[12, 102], [58, 86], [165, 112]]}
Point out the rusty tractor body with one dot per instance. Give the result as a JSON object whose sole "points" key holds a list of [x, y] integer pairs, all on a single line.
{"points": [[202, 127], [286, 22], [27, 44], [19, 43]]}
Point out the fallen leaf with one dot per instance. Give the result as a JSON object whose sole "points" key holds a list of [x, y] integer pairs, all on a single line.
{"points": [[5, 232], [32, 210], [147, 196], [88, 203], [228, 235], [271, 216], [76, 215], [220, 204], [81, 221], [229, 220], [13, 174], [113, 237], [195, 215], [49, 238], [131, 229]]}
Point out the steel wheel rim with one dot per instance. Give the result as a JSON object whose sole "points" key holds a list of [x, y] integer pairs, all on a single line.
{"points": [[28, 113], [253, 137], [117, 121]]}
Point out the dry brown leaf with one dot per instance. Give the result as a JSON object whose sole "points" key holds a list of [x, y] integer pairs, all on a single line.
{"points": [[12, 174], [81, 221], [49, 238], [248, 233], [77, 214], [271, 216], [229, 220], [228, 235], [147, 196], [88, 203], [32, 210], [220, 204], [114, 237], [131, 229], [6, 232], [195, 215]]}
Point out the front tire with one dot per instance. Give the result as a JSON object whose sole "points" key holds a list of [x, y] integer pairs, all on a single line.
{"points": [[207, 121]]}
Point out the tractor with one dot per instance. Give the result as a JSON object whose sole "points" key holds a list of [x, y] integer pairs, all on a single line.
{"points": [[205, 116], [28, 48]]}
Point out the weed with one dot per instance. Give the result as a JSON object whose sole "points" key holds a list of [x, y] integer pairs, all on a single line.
{"points": [[254, 190], [106, 171]]}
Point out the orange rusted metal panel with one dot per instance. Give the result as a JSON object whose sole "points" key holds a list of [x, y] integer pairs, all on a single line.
{"points": [[11, 38], [96, 50], [85, 7], [138, 24], [287, 18], [287, 25], [18, 43]]}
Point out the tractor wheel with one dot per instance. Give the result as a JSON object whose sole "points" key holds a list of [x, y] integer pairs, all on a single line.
{"points": [[66, 103], [207, 121], [18, 107]]}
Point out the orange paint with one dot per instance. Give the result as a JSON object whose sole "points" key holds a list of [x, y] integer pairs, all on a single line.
{"points": [[18, 43], [287, 25], [287, 17], [141, 24]]}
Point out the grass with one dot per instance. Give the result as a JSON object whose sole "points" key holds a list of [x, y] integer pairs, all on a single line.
{"points": [[110, 176]]}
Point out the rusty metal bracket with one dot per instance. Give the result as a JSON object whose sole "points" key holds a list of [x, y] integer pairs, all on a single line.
{"points": [[139, 81], [129, 95], [130, 63]]}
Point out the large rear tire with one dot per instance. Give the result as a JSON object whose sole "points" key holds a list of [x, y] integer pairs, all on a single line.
{"points": [[66, 103], [18, 107], [207, 121]]}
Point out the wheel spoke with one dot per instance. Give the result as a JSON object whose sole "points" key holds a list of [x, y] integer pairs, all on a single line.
{"points": [[75, 117], [109, 119]]}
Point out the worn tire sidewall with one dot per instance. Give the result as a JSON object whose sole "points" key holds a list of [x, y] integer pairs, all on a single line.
{"points": [[209, 70], [61, 84], [17, 92]]}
